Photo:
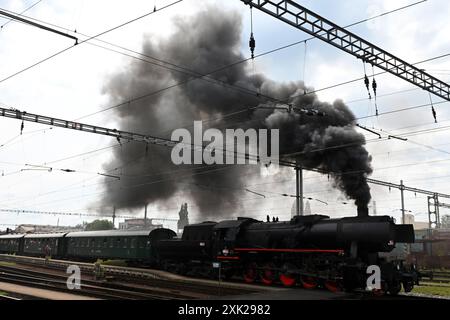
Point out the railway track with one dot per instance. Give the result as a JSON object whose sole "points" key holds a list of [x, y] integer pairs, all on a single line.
{"points": [[9, 298], [88, 288], [154, 289], [435, 276], [206, 287]]}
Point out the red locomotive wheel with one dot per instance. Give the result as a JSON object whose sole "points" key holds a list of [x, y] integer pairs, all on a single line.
{"points": [[268, 274], [287, 278], [332, 286], [250, 273], [309, 282]]}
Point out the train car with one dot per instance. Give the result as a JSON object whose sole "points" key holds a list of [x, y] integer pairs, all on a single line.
{"points": [[126, 245], [44, 244], [11, 243]]}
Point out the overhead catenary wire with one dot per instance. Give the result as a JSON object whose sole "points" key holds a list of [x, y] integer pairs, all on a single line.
{"points": [[231, 65], [37, 25], [86, 40], [22, 12]]}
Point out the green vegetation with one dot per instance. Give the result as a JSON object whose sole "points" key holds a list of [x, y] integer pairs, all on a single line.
{"points": [[117, 263], [435, 290], [7, 264], [98, 225], [3, 293]]}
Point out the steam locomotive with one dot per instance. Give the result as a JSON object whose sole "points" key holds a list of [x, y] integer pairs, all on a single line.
{"points": [[310, 250]]}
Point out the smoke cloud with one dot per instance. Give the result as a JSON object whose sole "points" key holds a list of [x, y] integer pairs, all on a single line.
{"points": [[206, 42]]}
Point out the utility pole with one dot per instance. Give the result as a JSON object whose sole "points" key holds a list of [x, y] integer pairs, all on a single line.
{"points": [[299, 188], [114, 216], [438, 218], [402, 189], [433, 211], [145, 216]]}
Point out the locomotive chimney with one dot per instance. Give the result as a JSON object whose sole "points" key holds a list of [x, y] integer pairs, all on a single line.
{"points": [[363, 211]]}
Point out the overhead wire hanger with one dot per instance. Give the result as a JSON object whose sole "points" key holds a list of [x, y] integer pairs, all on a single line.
{"points": [[252, 45], [374, 87], [252, 42], [304, 67], [366, 81], [433, 111]]}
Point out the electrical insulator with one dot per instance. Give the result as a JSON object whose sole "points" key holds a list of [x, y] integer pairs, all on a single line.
{"points": [[374, 87], [252, 44], [367, 83], [434, 114]]}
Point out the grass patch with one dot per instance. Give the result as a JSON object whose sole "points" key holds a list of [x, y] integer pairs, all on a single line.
{"points": [[7, 264], [116, 263], [3, 293], [443, 291]]}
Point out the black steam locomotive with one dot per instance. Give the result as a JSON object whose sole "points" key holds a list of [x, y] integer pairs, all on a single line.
{"points": [[308, 250]]}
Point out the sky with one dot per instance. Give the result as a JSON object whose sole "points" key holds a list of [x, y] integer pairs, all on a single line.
{"points": [[70, 86]]}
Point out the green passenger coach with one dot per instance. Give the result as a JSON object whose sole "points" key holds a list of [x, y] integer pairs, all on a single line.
{"points": [[11, 243], [126, 245]]}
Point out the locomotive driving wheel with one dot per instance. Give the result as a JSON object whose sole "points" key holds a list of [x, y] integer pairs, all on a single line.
{"points": [[268, 273], [332, 286], [309, 282], [287, 277], [250, 272]]}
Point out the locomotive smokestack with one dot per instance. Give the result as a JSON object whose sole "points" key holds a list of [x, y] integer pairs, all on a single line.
{"points": [[363, 211]]}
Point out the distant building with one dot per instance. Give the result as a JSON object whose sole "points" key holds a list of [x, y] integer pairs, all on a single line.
{"points": [[139, 224], [35, 228], [184, 219], [418, 225]]}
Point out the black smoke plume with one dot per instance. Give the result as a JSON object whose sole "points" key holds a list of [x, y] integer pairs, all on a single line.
{"points": [[205, 42]]}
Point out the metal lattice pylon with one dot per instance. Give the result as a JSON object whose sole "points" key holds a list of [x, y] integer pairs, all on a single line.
{"points": [[433, 211]]}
